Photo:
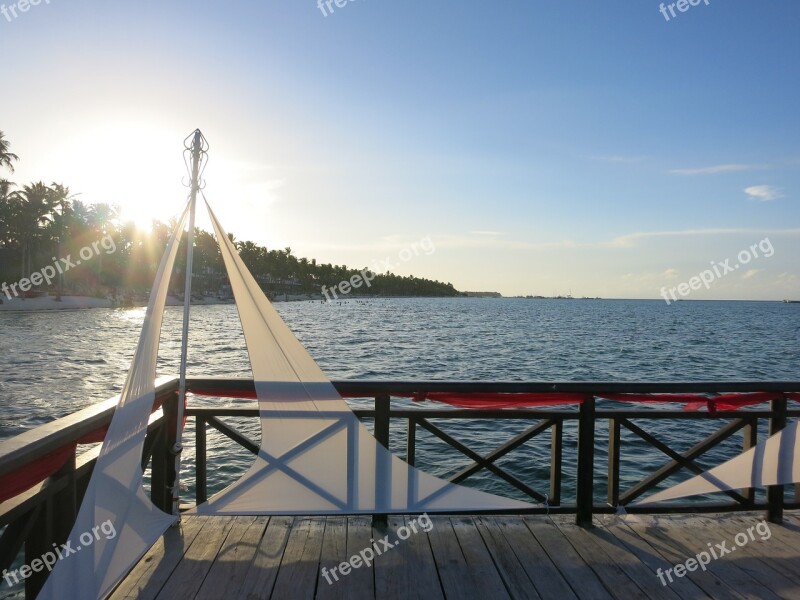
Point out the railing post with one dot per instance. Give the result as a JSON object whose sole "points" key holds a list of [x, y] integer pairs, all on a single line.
{"points": [[750, 433], [201, 470], [556, 455], [163, 465], [383, 404], [614, 442], [382, 411], [170, 437], [585, 478], [158, 476], [52, 526], [775, 492], [411, 442]]}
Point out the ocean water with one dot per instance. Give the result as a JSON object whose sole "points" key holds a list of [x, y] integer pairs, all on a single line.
{"points": [[52, 364]]}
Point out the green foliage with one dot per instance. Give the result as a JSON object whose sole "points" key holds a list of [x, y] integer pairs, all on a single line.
{"points": [[39, 222]]}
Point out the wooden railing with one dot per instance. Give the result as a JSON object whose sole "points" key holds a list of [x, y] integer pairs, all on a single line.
{"points": [[44, 514]]}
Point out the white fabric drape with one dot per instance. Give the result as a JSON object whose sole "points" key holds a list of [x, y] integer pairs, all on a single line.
{"points": [[774, 461], [315, 456], [116, 514]]}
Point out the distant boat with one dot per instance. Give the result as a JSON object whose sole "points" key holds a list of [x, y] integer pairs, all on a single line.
{"points": [[791, 301]]}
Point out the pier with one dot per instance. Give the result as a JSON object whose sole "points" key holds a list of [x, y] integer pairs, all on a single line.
{"points": [[583, 540], [468, 557]]}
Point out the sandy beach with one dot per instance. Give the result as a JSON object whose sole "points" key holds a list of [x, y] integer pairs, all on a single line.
{"points": [[50, 303], [84, 302], [44, 303]]}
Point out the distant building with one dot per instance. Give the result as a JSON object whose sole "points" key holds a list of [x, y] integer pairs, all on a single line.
{"points": [[483, 294]]}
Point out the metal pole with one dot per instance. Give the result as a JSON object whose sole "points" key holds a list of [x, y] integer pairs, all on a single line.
{"points": [[197, 146]]}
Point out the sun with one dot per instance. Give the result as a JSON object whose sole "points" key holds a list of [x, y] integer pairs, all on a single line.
{"points": [[135, 165], [141, 216]]}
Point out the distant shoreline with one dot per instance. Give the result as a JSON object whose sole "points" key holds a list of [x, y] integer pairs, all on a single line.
{"points": [[69, 303]]}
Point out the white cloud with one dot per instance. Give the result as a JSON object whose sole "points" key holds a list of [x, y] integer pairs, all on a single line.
{"points": [[764, 193], [473, 240], [630, 240], [670, 273], [750, 273], [716, 169]]}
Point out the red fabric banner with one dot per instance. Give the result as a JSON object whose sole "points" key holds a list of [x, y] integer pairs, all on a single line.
{"points": [[488, 401], [24, 478]]}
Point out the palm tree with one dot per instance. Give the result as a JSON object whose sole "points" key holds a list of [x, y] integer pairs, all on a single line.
{"points": [[6, 204], [61, 198], [33, 209], [6, 157], [6, 221], [104, 221]]}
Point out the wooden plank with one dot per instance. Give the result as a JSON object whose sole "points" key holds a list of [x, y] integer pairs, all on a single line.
{"points": [[423, 579], [517, 582], [334, 552], [647, 555], [454, 574], [636, 568], [191, 571], [260, 578], [392, 576], [579, 575], [766, 560], [696, 534], [547, 579], [466, 557], [597, 553], [360, 582], [489, 583], [154, 569], [406, 571], [675, 553], [233, 561], [788, 533], [779, 561], [297, 575]]}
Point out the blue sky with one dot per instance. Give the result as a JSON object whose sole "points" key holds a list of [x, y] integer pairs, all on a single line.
{"points": [[544, 147]]}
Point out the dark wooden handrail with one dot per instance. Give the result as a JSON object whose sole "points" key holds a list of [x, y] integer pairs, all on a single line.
{"points": [[36, 443], [370, 388], [44, 514]]}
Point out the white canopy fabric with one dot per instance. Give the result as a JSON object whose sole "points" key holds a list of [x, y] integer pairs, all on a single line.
{"points": [[774, 461], [316, 457], [116, 514]]}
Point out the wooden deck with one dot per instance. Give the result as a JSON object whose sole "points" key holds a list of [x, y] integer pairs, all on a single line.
{"points": [[468, 557]]}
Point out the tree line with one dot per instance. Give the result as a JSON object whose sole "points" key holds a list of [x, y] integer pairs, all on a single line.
{"points": [[41, 223]]}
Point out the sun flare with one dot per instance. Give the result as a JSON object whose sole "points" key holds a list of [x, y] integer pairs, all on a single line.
{"points": [[136, 160]]}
